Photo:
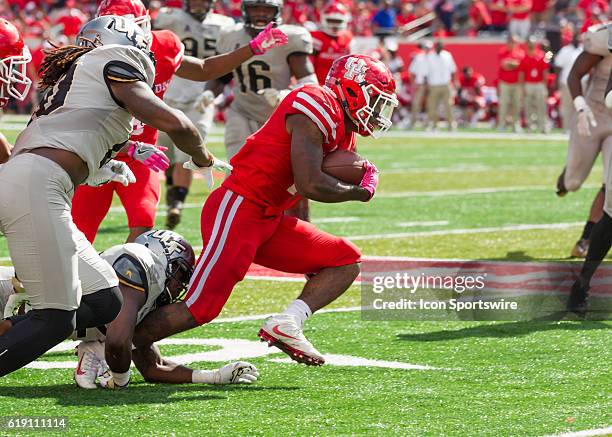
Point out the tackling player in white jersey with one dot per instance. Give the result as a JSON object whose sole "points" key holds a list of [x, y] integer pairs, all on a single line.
{"points": [[85, 116], [153, 271], [198, 29], [591, 132]]}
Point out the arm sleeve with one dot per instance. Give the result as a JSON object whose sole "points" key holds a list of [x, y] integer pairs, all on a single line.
{"points": [[129, 64]]}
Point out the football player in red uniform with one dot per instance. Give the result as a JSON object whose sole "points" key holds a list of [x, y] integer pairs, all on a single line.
{"points": [[14, 57], [243, 222], [91, 204], [333, 40]]}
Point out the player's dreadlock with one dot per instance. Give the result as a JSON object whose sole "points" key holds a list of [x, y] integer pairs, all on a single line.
{"points": [[58, 61]]}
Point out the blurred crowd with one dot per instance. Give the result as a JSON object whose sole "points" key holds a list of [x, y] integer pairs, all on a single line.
{"points": [[529, 91]]}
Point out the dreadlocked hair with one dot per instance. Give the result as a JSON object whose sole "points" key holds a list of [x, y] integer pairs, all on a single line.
{"points": [[58, 61]]}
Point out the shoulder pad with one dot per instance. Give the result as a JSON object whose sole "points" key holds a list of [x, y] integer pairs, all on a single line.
{"points": [[597, 40], [300, 40], [131, 272]]}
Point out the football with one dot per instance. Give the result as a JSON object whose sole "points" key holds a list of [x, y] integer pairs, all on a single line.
{"points": [[344, 165]]}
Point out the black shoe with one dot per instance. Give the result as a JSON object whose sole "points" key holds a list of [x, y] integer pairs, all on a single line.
{"points": [[578, 299], [561, 190], [173, 217]]}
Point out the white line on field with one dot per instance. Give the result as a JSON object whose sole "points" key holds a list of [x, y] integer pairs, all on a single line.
{"points": [[585, 433], [415, 224], [507, 228], [470, 191], [263, 316], [477, 136]]}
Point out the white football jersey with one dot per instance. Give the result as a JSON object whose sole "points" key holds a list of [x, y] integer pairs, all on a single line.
{"points": [[200, 40], [138, 267], [270, 70], [80, 114], [597, 39]]}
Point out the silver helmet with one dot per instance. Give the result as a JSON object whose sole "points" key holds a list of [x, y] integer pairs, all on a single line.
{"points": [[177, 258], [113, 29], [278, 4]]}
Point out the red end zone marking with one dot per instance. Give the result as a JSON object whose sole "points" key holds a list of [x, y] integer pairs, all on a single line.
{"points": [[507, 277]]}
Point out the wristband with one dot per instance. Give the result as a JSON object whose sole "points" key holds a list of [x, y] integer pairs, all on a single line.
{"points": [[580, 104], [122, 379]]}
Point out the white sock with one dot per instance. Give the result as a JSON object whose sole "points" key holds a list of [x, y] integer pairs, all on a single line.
{"points": [[300, 310]]}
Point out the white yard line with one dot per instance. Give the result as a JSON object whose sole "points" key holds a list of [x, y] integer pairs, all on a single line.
{"points": [[263, 316], [470, 191], [397, 168], [417, 223], [507, 228], [477, 136], [585, 433]]}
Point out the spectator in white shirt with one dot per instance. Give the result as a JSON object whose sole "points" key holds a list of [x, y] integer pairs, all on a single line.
{"points": [[441, 69], [418, 71], [564, 61]]}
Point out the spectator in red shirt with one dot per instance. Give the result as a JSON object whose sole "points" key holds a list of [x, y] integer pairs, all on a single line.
{"points": [[479, 16], [510, 58], [533, 72], [499, 15], [360, 24], [72, 19], [587, 8], [469, 96], [520, 17], [539, 12], [405, 17]]}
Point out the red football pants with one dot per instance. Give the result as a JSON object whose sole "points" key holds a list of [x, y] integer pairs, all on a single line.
{"points": [[91, 204], [237, 232]]}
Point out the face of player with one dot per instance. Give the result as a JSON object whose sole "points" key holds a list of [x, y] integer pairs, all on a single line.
{"points": [[335, 26], [260, 15], [199, 8], [178, 281]]}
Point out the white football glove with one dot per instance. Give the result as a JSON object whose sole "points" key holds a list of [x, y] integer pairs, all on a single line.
{"points": [[217, 164], [14, 302], [114, 381], [112, 171], [239, 372], [206, 99], [273, 96], [586, 118]]}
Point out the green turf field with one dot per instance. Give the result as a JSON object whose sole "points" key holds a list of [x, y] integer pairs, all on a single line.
{"points": [[440, 197]]}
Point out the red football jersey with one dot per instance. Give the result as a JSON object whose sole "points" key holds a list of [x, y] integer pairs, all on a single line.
{"points": [[327, 49], [262, 169], [534, 66], [168, 51]]}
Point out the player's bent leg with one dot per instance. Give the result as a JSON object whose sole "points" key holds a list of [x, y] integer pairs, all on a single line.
{"points": [[140, 199], [581, 155], [99, 308], [89, 207], [601, 241], [299, 247], [36, 334], [581, 247]]}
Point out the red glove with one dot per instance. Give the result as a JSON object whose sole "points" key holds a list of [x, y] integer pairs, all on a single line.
{"points": [[369, 182], [268, 38]]}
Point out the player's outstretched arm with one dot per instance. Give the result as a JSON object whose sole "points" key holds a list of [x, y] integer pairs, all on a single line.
{"points": [[214, 67], [143, 104], [582, 65], [119, 333], [5, 149], [306, 162], [154, 368]]}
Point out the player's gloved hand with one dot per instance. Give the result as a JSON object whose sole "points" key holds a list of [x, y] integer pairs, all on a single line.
{"points": [[239, 372], [268, 38], [206, 99], [586, 118], [114, 381], [14, 302], [273, 96], [112, 171], [369, 182], [151, 156], [217, 164]]}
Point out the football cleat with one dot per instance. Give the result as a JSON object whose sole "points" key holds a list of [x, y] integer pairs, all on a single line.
{"points": [[578, 299], [87, 370], [561, 190], [283, 332], [173, 217], [580, 249]]}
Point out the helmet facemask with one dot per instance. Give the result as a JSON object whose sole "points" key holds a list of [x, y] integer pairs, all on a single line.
{"points": [[14, 81], [199, 13], [375, 116], [178, 275]]}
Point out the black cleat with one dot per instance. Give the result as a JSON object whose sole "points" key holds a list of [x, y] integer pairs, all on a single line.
{"points": [[173, 217], [577, 302], [561, 190]]}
